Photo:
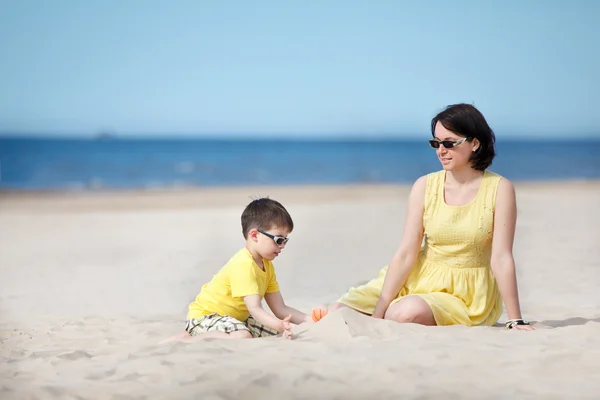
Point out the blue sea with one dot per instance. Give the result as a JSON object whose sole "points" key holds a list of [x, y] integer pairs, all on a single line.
{"points": [[69, 164]]}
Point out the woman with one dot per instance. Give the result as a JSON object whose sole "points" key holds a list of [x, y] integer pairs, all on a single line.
{"points": [[463, 269]]}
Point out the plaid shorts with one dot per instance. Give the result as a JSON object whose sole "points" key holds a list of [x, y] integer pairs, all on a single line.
{"points": [[215, 322]]}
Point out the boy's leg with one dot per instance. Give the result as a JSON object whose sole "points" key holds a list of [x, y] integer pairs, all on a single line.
{"points": [[186, 337], [259, 330], [215, 326], [180, 337], [222, 335]]}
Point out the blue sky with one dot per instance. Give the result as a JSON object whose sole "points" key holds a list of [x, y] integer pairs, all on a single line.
{"points": [[312, 68]]}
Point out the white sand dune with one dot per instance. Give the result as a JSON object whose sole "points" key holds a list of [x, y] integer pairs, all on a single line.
{"points": [[90, 283]]}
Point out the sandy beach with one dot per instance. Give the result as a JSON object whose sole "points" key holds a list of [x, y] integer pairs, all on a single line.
{"points": [[91, 282]]}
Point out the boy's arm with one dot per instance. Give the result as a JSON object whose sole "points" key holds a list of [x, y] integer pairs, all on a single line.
{"points": [[254, 305], [277, 305]]}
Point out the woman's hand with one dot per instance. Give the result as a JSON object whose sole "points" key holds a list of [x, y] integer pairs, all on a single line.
{"points": [[519, 324], [524, 327], [380, 308]]}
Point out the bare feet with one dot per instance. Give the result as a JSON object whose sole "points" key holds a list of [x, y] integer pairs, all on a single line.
{"points": [[180, 337]]}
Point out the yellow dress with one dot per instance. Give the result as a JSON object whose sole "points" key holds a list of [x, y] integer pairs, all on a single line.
{"points": [[452, 272]]}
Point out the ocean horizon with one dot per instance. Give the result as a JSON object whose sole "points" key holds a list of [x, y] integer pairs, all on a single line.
{"points": [[107, 162]]}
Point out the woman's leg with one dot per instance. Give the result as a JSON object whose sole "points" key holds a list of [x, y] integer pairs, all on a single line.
{"points": [[338, 306], [411, 309]]}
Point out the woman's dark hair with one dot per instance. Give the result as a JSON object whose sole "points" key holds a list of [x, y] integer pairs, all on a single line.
{"points": [[467, 121]]}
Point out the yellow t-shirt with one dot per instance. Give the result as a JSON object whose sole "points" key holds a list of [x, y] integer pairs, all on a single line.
{"points": [[225, 293]]}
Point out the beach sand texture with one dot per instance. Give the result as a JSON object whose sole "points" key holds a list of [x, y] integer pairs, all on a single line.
{"points": [[91, 282]]}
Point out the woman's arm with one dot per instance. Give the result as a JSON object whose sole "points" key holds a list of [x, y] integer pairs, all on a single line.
{"points": [[502, 262], [404, 259]]}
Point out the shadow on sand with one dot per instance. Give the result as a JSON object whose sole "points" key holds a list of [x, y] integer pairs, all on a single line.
{"points": [[566, 322]]}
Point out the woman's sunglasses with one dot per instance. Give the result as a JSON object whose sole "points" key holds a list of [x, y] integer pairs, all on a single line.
{"points": [[279, 240], [449, 144]]}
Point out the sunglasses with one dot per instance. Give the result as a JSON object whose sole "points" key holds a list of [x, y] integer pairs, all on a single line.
{"points": [[279, 240], [449, 144]]}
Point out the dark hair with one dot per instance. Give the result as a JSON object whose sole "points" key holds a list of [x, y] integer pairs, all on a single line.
{"points": [[467, 121], [265, 214]]}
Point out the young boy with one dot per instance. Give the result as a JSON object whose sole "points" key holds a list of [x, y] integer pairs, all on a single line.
{"points": [[229, 306]]}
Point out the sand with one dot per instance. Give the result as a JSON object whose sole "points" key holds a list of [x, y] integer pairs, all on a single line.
{"points": [[91, 282]]}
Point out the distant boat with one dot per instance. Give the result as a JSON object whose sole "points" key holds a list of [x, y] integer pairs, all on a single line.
{"points": [[104, 135]]}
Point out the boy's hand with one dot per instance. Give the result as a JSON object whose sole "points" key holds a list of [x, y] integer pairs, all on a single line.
{"points": [[286, 327]]}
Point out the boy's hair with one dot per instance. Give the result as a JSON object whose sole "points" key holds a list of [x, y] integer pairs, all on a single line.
{"points": [[264, 214]]}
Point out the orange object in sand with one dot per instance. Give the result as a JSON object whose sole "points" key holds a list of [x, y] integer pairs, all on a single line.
{"points": [[318, 313]]}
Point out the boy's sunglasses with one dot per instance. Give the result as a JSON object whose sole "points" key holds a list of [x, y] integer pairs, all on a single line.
{"points": [[279, 240], [449, 144]]}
